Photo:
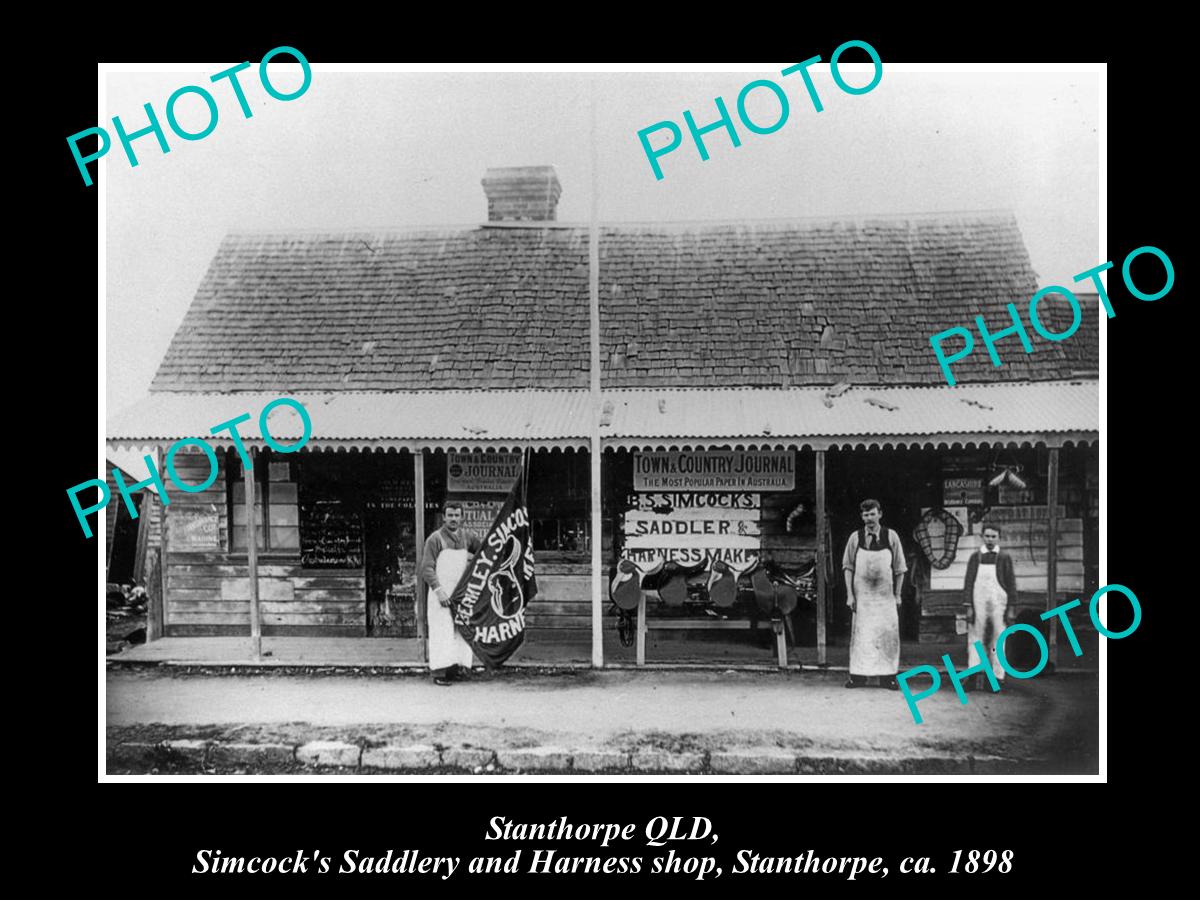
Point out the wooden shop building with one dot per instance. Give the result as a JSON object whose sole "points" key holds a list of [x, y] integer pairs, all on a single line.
{"points": [[758, 379]]}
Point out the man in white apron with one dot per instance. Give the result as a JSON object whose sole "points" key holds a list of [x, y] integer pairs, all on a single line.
{"points": [[874, 567], [448, 553], [991, 594]]}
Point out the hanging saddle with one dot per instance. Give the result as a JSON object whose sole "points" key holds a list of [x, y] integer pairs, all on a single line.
{"points": [[723, 582], [625, 589], [779, 587], [671, 581]]}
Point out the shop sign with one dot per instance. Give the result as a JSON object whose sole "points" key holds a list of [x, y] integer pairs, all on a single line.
{"points": [[715, 470], [482, 473], [690, 556], [1010, 496], [962, 492], [666, 502], [194, 531], [478, 515], [693, 528]]}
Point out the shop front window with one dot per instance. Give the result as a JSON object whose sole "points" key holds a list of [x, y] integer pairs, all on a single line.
{"points": [[276, 518], [565, 535], [559, 494]]}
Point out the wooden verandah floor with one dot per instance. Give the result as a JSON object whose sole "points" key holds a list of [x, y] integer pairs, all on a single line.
{"points": [[538, 650]]}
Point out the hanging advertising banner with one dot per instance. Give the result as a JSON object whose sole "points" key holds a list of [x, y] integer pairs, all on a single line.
{"points": [[715, 470], [488, 605], [481, 473]]}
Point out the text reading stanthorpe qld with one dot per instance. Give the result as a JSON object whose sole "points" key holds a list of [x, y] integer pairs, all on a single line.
{"points": [[658, 833]]}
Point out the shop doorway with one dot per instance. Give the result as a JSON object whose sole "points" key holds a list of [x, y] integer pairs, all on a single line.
{"points": [[389, 544], [356, 513], [390, 574], [902, 481], [122, 551]]}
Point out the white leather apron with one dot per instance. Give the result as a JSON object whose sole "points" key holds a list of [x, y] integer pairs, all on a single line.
{"points": [[989, 601], [446, 646], [875, 634]]}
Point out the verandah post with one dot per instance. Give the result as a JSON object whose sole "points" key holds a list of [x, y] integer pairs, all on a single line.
{"points": [[594, 383], [156, 606], [1052, 551], [419, 532], [822, 555], [252, 558]]}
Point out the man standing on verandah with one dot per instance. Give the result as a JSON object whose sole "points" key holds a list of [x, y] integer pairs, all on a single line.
{"points": [[874, 566], [448, 553]]}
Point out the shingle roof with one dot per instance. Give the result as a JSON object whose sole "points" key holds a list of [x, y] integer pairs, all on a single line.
{"points": [[769, 304], [496, 308]]}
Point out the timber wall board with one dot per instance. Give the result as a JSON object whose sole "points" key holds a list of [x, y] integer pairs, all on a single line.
{"points": [[208, 588], [207, 593], [563, 601]]}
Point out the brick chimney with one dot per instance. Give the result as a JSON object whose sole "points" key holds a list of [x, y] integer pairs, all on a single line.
{"points": [[522, 193]]}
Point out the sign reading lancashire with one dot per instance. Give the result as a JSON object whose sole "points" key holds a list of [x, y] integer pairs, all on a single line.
{"points": [[715, 470], [482, 473], [962, 491]]}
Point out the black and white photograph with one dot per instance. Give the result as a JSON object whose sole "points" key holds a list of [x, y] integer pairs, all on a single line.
{"points": [[671, 422]]}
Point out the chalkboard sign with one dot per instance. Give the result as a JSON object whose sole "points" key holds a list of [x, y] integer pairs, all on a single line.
{"points": [[330, 535]]}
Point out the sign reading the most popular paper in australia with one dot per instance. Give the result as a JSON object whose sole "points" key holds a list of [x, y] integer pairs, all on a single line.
{"points": [[715, 470]]}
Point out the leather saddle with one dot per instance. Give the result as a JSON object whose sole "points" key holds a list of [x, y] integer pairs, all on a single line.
{"points": [[723, 582], [625, 589], [779, 587], [671, 581]]}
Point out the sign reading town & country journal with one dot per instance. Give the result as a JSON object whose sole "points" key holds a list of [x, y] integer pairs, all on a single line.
{"points": [[715, 470], [481, 473]]}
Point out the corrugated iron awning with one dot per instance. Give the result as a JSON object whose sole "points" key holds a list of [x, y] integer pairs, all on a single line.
{"points": [[449, 420], [1054, 413]]}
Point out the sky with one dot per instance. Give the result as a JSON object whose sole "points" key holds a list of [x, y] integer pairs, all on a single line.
{"points": [[394, 150]]}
